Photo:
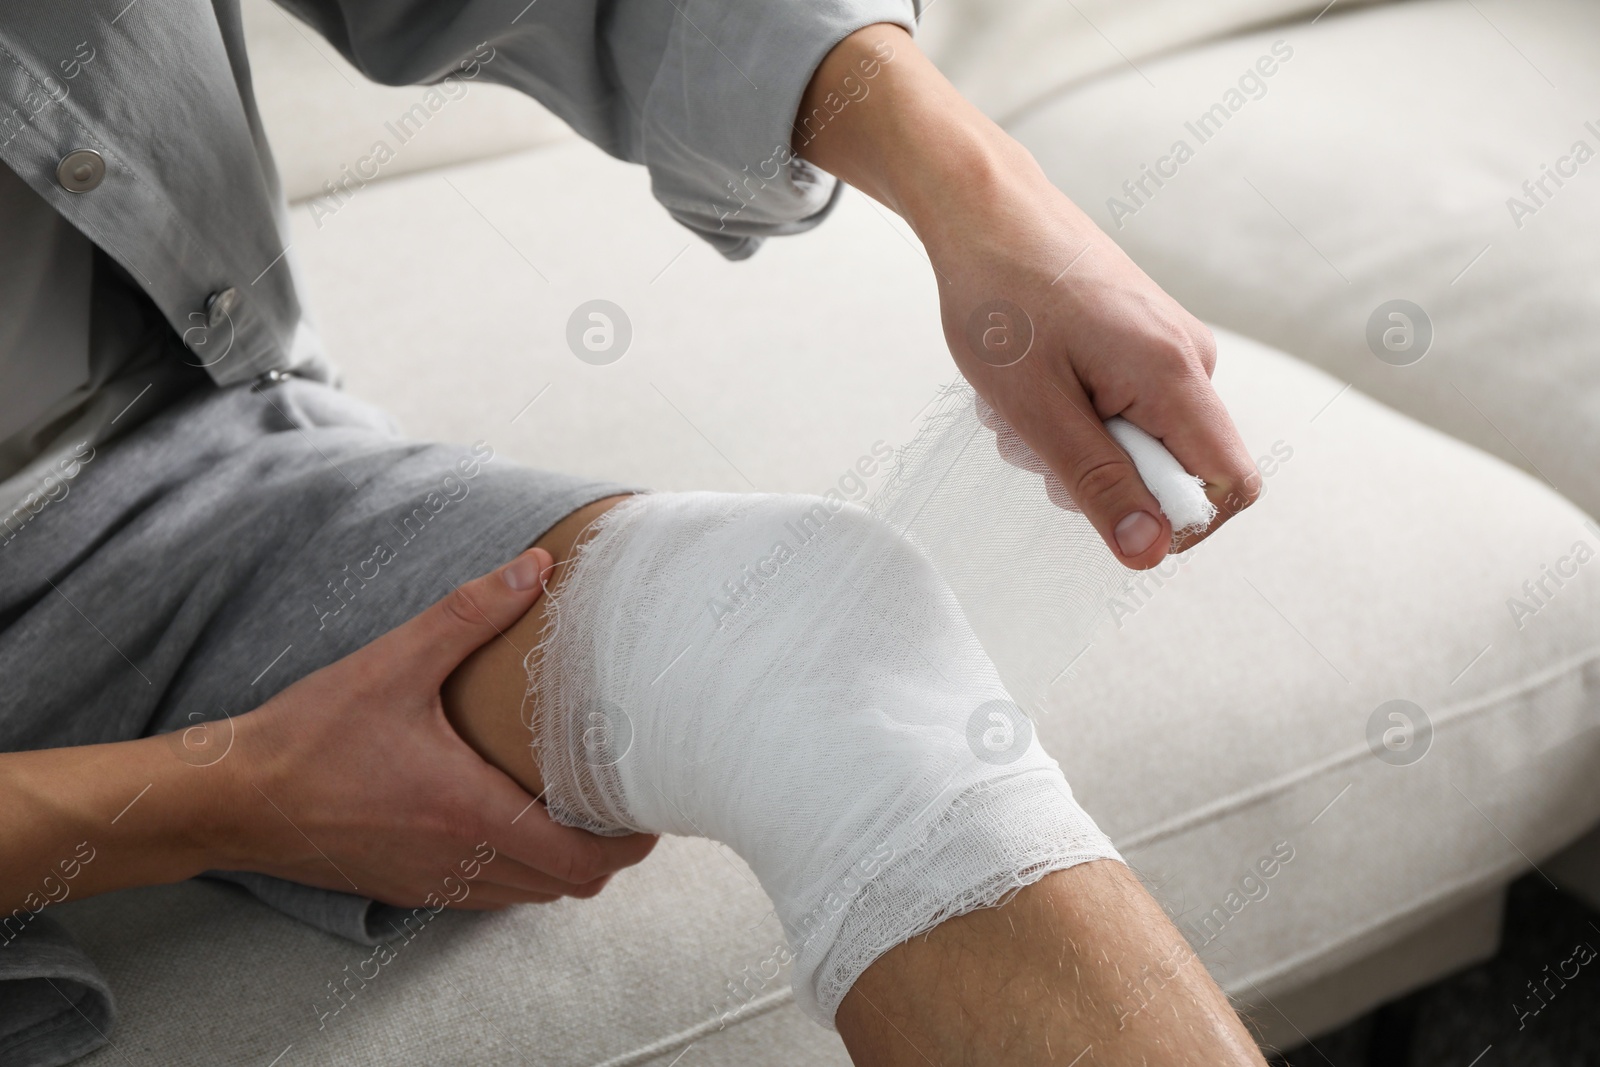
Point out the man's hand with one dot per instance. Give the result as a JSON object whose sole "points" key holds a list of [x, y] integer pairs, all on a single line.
{"points": [[1047, 318], [352, 779]]}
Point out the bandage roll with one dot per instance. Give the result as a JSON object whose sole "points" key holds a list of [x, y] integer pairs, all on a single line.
{"points": [[1182, 495]]}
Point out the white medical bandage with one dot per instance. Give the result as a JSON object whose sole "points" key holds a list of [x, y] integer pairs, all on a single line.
{"points": [[793, 680], [800, 679]]}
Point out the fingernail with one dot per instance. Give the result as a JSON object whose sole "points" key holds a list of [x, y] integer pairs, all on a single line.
{"points": [[523, 572], [1137, 532]]}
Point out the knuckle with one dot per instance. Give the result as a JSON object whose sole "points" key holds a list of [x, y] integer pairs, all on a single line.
{"points": [[580, 862], [1245, 493], [561, 866], [1183, 351], [1101, 484], [434, 815], [1203, 345], [461, 607]]}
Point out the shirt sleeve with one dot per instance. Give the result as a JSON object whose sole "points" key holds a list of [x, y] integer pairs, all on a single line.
{"points": [[704, 93], [54, 1005]]}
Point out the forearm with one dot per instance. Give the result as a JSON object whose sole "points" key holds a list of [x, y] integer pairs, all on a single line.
{"points": [[1054, 326], [87, 820]]}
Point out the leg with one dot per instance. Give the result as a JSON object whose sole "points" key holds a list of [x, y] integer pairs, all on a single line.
{"points": [[484, 697], [1082, 959], [1081, 963]]}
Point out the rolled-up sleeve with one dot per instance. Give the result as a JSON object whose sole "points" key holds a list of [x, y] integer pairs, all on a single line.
{"points": [[704, 93]]}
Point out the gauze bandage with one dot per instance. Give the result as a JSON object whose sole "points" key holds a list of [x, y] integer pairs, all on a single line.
{"points": [[797, 678]]}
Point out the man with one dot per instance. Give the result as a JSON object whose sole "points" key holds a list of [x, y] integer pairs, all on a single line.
{"points": [[177, 474]]}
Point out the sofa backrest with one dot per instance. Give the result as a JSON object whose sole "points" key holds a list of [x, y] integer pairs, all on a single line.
{"points": [[1006, 55]]}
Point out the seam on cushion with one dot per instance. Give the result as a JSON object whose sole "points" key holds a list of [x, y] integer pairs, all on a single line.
{"points": [[1231, 804], [1486, 881], [1259, 27], [661, 1046]]}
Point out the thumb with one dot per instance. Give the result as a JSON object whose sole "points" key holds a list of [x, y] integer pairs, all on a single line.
{"points": [[1098, 475], [436, 641]]}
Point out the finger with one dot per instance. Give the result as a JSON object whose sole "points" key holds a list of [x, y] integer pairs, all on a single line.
{"points": [[489, 897], [435, 642], [1097, 473], [571, 856], [511, 874], [1194, 425], [520, 828]]}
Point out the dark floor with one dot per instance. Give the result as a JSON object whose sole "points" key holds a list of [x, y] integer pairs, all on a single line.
{"points": [[1487, 1016]]}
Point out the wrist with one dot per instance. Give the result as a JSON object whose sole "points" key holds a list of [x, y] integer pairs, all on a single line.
{"points": [[94, 818], [976, 183], [226, 760], [902, 134], [180, 831]]}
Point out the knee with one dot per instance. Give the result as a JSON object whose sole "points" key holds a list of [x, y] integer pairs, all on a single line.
{"points": [[817, 566], [781, 621]]}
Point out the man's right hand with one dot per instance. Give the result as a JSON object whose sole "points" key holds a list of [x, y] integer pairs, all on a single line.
{"points": [[353, 779], [350, 779]]}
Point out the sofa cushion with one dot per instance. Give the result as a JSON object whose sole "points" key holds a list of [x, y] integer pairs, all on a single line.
{"points": [[322, 115], [1220, 721], [1385, 160], [1344, 676], [1005, 55]]}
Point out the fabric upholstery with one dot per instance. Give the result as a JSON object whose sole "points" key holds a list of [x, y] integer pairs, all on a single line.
{"points": [[1006, 55], [322, 115]]}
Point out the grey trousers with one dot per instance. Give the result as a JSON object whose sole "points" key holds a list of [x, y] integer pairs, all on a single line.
{"points": [[237, 541]]}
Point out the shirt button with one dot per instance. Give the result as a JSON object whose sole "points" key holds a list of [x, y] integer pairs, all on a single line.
{"points": [[81, 171], [219, 305]]}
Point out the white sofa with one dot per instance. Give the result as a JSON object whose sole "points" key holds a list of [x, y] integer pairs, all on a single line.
{"points": [[1225, 708]]}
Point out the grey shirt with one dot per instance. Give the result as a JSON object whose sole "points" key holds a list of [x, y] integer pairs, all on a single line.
{"points": [[157, 94], [84, 355], [44, 312], [191, 229], [702, 92]]}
